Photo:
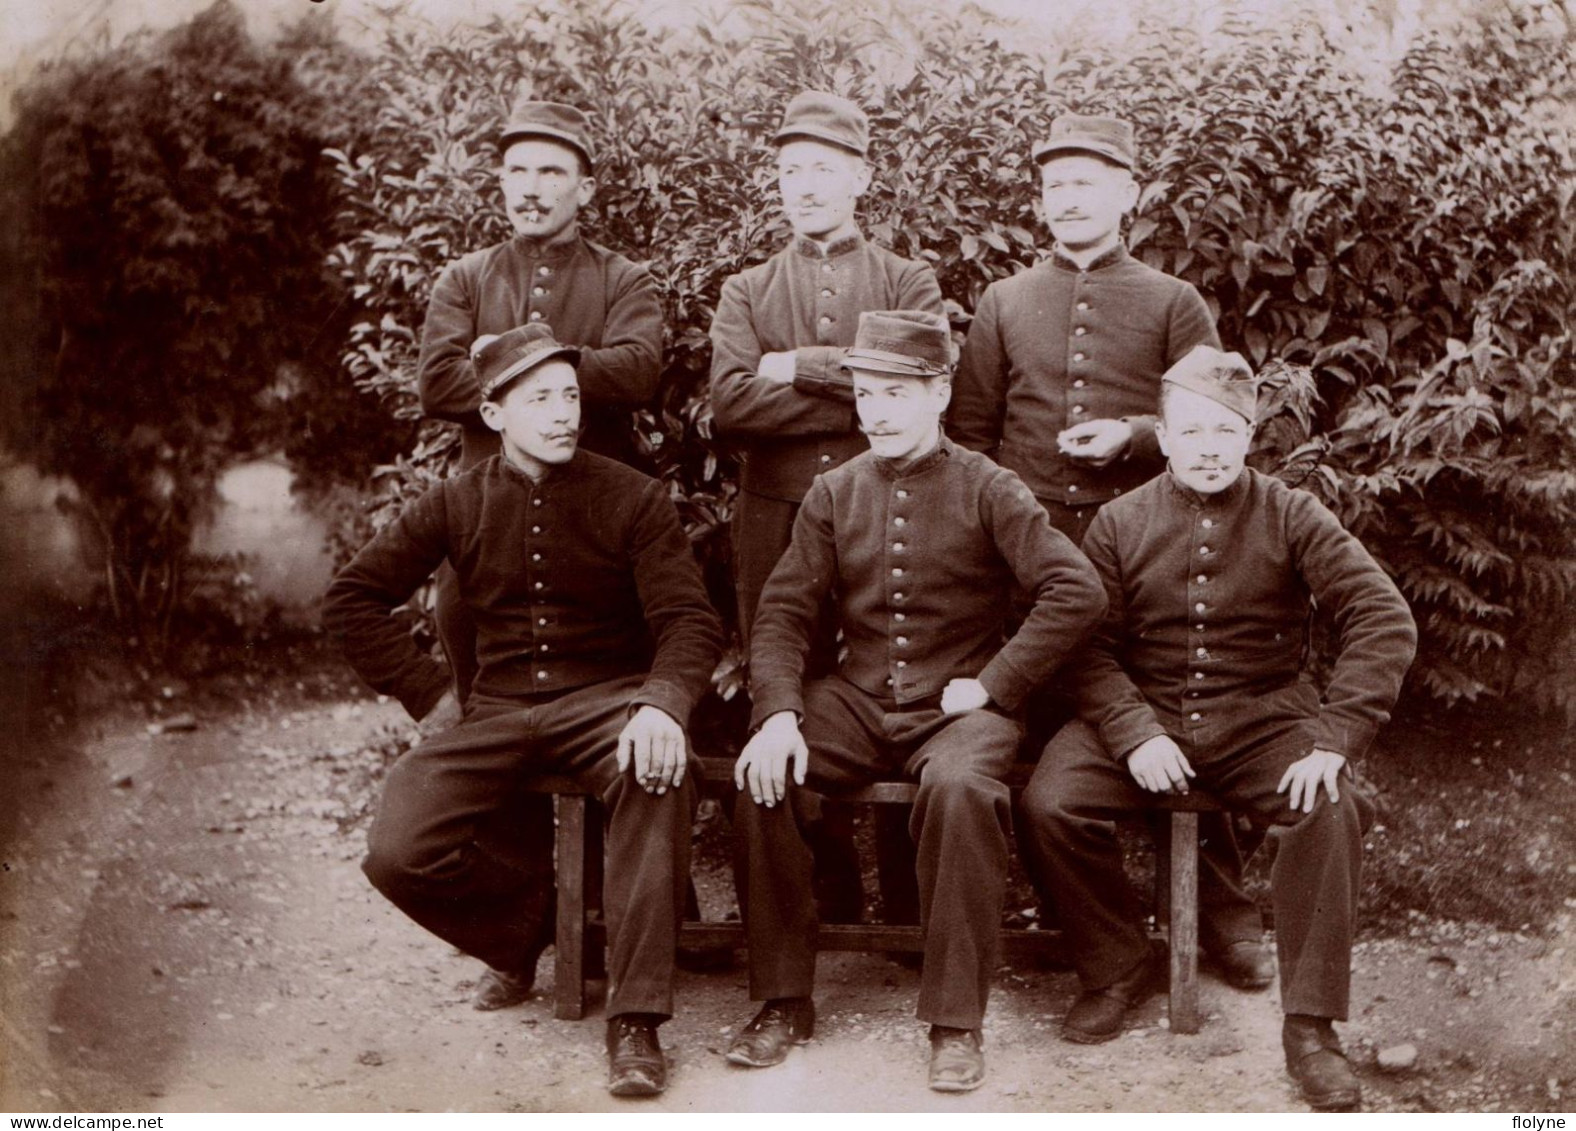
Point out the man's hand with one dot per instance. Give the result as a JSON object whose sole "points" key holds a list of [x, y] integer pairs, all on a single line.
{"points": [[1160, 766], [1095, 442], [1305, 774], [762, 767], [654, 743], [779, 367], [963, 695], [444, 714]]}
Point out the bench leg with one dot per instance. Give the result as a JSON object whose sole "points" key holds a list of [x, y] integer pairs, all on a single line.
{"points": [[569, 960], [1184, 922]]}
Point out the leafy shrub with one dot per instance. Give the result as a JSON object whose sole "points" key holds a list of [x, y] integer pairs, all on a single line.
{"points": [[1397, 255]]}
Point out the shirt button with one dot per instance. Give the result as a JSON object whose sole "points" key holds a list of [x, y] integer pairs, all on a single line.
{"points": [[536, 530], [1198, 608], [536, 502], [900, 521], [1202, 579], [538, 290], [1199, 627], [544, 270], [902, 642], [1204, 550], [1195, 716], [1208, 523], [536, 316], [902, 663], [825, 319], [1202, 652], [827, 267], [826, 459], [1079, 332], [536, 557], [902, 494], [899, 616], [541, 675], [1198, 675], [1078, 410], [1078, 384], [897, 596], [544, 647], [1073, 490], [541, 620], [1078, 356], [539, 585], [897, 571], [827, 292], [889, 681], [1083, 306], [899, 547]]}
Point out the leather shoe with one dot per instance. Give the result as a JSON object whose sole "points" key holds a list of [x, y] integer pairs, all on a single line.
{"points": [[1246, 964], [957, 1063], [1315, 1060], [499, 989], [1097, 1015], [782, 1023], [635, 1064]]}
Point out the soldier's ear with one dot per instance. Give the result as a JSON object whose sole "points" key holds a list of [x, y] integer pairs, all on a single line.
{"points": [[492, 415], [1160, 431], [862, 178], [586, 189]]}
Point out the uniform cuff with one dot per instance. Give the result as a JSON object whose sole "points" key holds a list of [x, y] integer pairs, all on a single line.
{"points": [[425, 691], [667, 698], [768, 699], [1124, 735], [1341, 736], [1008, 687], [818, 373]]}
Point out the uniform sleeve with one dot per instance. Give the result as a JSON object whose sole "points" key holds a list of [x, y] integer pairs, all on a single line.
{"points": [[359, 607], [686, 628], [979, 391], [1377, 637], [743, 404], [624, 370], [1107, 697], [445, 378], [1188, 324], [1068, 598], [818, 370], [789, 610]]}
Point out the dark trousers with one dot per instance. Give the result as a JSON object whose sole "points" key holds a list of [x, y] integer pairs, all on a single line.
{"points": [[960, 824], [1314, 883], [523, 836], [762, 529], [426, 855], [1226, 913]]}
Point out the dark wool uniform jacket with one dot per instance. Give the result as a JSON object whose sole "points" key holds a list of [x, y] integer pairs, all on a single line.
{"points": [[921, 560], [583, 577], [1056, 346], [591, 297], [806, 300], [1210, 603]]}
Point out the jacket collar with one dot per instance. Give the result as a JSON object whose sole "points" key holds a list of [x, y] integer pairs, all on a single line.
{"points": [[1219, 500], [906, 468], [1106, 259], [812, 250], [554, 250], [553, 473]]}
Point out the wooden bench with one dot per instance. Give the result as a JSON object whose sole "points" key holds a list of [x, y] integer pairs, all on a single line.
{"points": [[581, 941]]}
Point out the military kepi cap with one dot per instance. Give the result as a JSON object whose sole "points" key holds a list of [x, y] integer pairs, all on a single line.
{"points": [[905, 343], [825, 117], [502, 359], [1225, 378], [553, 120], [1107, 138]]}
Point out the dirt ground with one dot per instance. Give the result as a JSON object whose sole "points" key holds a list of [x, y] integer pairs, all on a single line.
{"points": [[183, 927]]}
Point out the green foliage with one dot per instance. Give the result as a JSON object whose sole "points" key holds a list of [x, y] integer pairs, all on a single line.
{"points": [[166, 219], [1397, 258]]}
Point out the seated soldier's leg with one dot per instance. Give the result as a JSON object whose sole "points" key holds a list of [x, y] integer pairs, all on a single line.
{"points": [[521, 834], [961, 821], [1230, 928], [774, 870], [422, 851]]}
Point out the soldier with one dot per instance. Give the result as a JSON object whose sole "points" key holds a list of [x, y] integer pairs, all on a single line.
{"points": [[1198, 676], [594, 641], [546, 274], [920, 542], [779, 396], [1058, 381]]}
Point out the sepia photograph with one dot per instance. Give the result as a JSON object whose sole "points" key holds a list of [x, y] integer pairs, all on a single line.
{"points": [[775, 556]]}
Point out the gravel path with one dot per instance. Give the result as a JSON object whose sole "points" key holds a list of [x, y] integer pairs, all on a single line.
{"points": [[183, 927]]}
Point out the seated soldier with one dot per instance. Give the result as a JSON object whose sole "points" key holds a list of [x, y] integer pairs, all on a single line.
{"points": [[919, 542], [1198, 676], [595, 639]]}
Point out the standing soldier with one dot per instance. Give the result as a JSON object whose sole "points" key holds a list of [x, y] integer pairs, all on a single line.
{"points": [[1058, 381], [778, 392], [1198, 676], [546, 274]]}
